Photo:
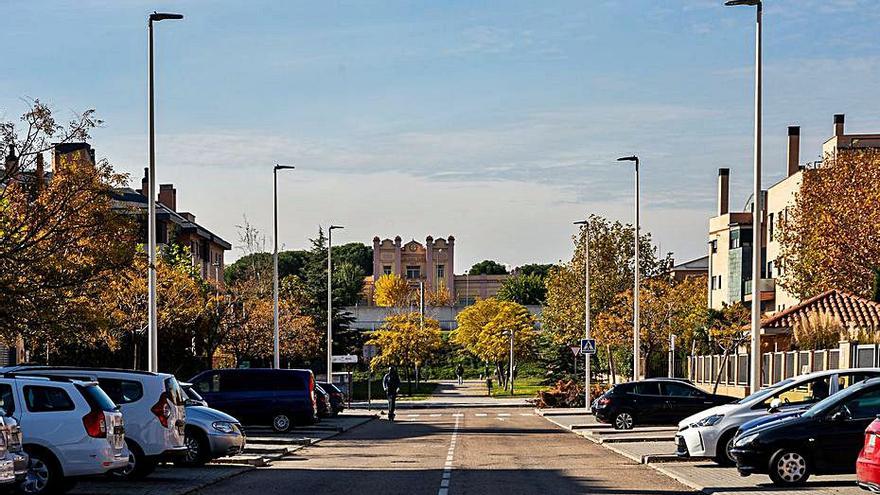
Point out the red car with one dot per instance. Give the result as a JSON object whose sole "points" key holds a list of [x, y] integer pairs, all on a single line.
{"points": [[868, 464]]}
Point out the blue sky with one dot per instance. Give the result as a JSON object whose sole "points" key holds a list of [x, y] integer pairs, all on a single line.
{"points": [[497, 122]]}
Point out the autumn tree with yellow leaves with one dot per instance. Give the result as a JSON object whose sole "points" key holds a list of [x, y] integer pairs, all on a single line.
{"points": [[406, 340]]}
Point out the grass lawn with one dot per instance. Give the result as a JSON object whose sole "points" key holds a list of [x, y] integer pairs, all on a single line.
{"points": [[423, 392], [522, 387]]}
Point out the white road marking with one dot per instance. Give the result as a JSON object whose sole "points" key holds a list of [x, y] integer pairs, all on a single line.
{"points": [[457, 415], [447, 467], [526, 414], [413, 415], [435, 415], [508, 414], [480, 415]]}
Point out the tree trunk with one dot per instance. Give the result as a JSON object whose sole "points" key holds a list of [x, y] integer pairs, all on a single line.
{"points": [[720, 370], [408, 372], [611, 370]]}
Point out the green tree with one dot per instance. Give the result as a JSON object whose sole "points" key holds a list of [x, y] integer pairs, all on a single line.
{"points": [[488, 267], [356, 254], [406, 340], [539, 269], [523, 289]]}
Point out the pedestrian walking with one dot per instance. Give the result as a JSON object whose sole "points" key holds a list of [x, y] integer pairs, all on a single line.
{"points": [[391, 384], [489, 384], [459, 372]]}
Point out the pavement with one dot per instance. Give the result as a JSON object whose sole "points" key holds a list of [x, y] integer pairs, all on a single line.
{"points": [[655, 447], [450, 395], [460, 447]]}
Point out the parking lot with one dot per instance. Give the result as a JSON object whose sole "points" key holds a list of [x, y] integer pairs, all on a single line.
{"points": [[655, 447]]}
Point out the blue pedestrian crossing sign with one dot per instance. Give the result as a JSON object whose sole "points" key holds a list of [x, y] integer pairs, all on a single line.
{"points": [[588, 346]]}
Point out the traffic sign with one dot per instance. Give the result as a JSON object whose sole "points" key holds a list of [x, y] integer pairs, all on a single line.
{"points": [[345, 359], [575, 350], [588, 346], [370, 351]]}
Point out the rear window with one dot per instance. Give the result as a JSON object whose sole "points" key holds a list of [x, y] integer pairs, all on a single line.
{"points": [[97, 398], [122, 391], [47, 399], [175, 393], [6, 399], [192, 394], [647, 388]]}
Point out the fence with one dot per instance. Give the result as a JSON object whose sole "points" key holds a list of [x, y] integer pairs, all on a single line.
{"points": [[776, 366]]}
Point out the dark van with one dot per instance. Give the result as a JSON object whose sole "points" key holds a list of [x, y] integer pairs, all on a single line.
{"points": [[259, 396]]}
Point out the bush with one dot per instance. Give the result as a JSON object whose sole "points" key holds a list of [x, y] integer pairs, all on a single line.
{"points": [[567, 394]]}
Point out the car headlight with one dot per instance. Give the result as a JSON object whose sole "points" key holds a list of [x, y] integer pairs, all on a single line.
{"points": [[223, 427], [745, 440], [710, 420]]}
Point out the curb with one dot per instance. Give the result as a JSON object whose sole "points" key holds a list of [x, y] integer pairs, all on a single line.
{"points": [[245, 469]]}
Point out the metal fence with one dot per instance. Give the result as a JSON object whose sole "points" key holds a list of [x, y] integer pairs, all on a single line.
{"points": [[776, 366]]}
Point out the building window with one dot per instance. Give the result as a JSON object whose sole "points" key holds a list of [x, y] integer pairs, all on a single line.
{"points": [[413, 272], [770, 225], [714, 245], [441, 272], [386, 269], [716, 282]]}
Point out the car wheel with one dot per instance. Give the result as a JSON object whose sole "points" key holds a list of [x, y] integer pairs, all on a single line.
{"points": [[197, 449], [723, 457], [281, 422], [623, 421], [139, 465], [44, 475], [789, 467]]}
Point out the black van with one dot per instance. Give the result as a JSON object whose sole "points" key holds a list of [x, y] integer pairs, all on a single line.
{"points": [[260, 396]]}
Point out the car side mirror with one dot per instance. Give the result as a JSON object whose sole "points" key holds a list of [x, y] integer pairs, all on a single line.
{"points": [[775, 404], [839, 416]]}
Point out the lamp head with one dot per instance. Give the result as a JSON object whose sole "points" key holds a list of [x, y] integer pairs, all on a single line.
{"points": [[162, 16], [629, 159], [334, 227], [582, 222], [284, 167], [734, 3]]}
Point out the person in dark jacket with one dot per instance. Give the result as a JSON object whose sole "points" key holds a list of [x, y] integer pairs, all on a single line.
{"points": [[391, 384], [459, 372]]}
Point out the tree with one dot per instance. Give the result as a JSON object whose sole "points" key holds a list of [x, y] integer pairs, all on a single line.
{"points": [[829, 238], [488, 267], [60, 237], [727, 329], [539, 269], [611, 273], [392, 291], [483, 331], [818, 330], [405, 340], [523, 289], [664, 308], [356, 254]]}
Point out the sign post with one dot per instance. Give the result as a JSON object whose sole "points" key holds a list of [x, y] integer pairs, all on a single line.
{"points": [[588, 348], [369, 352], [576, 350]]}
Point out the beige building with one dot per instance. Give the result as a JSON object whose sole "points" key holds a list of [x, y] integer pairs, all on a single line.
{"points": [[730, 233], [432, 263]]}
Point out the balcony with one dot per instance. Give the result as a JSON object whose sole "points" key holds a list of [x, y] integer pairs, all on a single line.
{"points": [[768, 289]]}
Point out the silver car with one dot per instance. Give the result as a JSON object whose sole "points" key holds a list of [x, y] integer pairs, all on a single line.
{"points": [[210, 434]]}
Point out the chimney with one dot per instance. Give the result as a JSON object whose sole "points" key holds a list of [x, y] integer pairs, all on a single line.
{"points": [[723, 191], [794, 149], [11, 162], [168, 196], [40, 172], [838, 124], [145, 183]]}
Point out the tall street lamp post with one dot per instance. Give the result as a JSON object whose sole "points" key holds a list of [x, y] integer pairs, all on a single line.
{"points": [[636, 336], [586, 224], [152, 324], [757, 208], [330, 301], [276, 336]]}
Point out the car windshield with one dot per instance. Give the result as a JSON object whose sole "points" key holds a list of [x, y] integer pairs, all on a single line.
{"points": [[823, 406], [192, 394], [175, 393], [765, 392], [96, 397]]}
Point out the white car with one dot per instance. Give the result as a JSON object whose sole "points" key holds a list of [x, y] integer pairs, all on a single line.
{"points": [[710, 432], [152, 405], [70, 429]]}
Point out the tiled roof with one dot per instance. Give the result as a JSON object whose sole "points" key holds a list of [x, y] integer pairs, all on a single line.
{"points": [[850, 310]]}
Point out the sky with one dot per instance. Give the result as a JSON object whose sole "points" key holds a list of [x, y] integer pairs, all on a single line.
{"points": [[496, 122]]}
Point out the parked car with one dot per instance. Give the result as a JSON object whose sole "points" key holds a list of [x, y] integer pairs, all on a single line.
{"points": [[322, 399], [209, 433], [652, 401], [12, 438], [70, 429], [710, 433], [868, 464], [337, 398], [825, 439], [279, 397], [152, 405]]}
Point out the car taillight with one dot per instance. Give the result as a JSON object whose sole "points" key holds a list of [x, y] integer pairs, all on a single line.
{"points": [[96, 424], [162, 409]]}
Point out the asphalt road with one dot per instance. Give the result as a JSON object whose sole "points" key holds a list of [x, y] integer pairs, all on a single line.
{"points": [[479, 451]]}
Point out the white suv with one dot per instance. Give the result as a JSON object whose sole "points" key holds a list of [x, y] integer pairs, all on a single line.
{"points": [[710, 433], [70, 429], [152, 405]]}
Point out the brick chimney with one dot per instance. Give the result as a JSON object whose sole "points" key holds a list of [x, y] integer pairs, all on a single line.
{"points": [[723, 191], [40, 171], [794, 149], [11, 162], [838, 124], [168, 196], [145, 183]]}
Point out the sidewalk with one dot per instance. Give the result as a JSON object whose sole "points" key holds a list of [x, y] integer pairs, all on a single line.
{"points": [[655, 447], [449, 394]]}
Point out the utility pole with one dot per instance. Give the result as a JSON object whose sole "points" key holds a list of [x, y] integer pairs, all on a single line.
{"points": [[330, 301], [276, 334], [587, 369]]}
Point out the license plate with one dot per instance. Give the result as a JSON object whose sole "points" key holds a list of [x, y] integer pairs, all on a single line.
{"points": [[118, 430]]}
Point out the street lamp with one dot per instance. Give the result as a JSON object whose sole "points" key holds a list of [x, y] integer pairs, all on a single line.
{"points": [[330, 301], [276, 336], [636, 349], [152, 324], [586, 224], [757, 210]]}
